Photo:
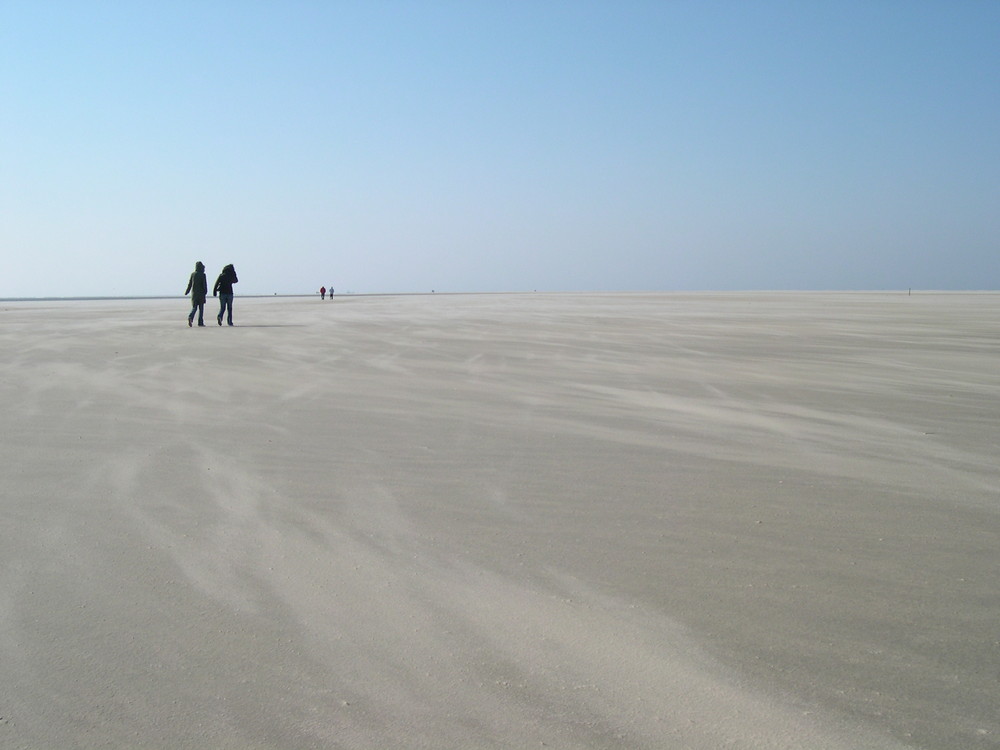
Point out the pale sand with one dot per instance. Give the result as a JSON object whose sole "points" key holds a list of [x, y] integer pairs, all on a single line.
{"points": [[502, 521]]}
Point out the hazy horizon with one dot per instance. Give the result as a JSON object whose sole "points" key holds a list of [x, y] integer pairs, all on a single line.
{"points": [[542, 292]]}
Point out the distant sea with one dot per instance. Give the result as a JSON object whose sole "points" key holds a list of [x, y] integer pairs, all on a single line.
{"points": [[102, 299]]}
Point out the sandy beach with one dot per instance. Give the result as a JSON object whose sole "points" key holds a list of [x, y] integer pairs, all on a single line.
{"points": [[762, 520]]}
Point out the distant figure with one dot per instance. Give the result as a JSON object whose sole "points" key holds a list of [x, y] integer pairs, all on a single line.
{"points": [[198, 287], [322, 293], [224, 288], [331, 294]]}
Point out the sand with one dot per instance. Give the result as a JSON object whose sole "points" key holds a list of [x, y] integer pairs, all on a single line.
{"points": [[502, 521]]}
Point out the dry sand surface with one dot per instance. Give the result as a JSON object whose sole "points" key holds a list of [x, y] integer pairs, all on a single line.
{"points": [[502, 521]]}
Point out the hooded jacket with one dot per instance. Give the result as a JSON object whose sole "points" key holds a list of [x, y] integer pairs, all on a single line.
{"points": [[198, 284], [224, 284]]}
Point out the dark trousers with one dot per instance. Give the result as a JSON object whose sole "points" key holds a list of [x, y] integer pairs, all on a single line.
{"points": [[197, 306], [226, 305]]}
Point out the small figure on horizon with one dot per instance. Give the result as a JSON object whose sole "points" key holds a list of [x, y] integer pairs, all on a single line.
{"points": [[322, 293], [331, 294], [198, 288], [224, 290]]}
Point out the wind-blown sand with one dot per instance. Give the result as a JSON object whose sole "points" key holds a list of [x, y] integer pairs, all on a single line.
{"points": [[502, 521]]}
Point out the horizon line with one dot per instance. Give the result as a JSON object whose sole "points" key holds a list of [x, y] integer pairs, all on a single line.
{"points": [[906, 291]]}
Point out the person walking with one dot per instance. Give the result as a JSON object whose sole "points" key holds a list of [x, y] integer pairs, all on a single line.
{"points": [[224, 290], [322, 292], [198, 288]]}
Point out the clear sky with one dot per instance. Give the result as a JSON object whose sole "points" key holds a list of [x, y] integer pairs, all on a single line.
{"points": [[499, 145]]}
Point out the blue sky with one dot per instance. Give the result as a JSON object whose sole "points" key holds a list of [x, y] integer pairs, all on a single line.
{"points": [[389, 146]]}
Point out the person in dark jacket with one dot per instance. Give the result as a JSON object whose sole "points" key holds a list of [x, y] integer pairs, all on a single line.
{"points": [[224, 290], [198, 288]]}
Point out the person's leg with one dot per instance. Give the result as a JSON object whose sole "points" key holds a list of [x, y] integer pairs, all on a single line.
{"points": [[222, 307], [201, 313], [194, 307], [229, 308]]}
